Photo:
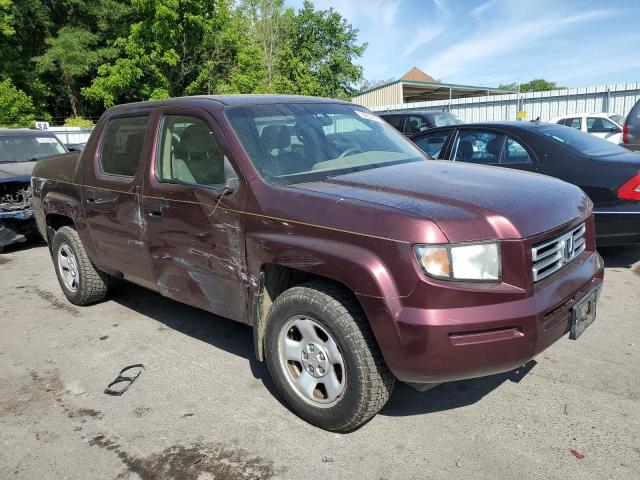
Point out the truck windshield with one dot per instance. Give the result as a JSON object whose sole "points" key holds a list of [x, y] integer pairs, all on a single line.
{"points": [[25, 148], [302, 142]]}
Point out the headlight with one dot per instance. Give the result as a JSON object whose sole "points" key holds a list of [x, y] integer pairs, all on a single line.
{"points": [[477, 262]]}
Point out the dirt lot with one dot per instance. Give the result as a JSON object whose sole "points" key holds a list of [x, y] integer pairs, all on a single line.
{"points": [[204, 408]]}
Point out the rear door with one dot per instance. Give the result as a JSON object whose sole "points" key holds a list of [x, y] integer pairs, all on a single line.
{"points": [[196, 242], [112, 197]]}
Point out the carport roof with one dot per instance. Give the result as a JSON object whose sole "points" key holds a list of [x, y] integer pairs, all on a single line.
{"points": [[416, 91]]}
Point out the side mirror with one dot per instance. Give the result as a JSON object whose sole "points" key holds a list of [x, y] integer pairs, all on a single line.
{"points": [[231, 178], [424, 128]]}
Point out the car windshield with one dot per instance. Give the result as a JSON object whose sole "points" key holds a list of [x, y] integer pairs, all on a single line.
{"points": [[25, 148], [584, 143], [445, 119], [619, 119], [302, 142]]}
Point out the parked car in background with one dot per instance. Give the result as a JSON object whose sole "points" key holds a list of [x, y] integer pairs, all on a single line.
{"points": [[410, 123], [631, 129], [19, 151], [356, 260], [75, 147], [607, 126], [608, 173]]}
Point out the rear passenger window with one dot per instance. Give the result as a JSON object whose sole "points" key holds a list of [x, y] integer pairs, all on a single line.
{"points": [[433, 144], [515, 154], [574, 123], [394, 120], [122, 145]]}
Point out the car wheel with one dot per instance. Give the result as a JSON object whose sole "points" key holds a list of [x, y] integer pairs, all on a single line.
{"points": [[324, 359], [81, 282]]}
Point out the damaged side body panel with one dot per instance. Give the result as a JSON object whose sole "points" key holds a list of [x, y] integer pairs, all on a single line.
{"points": [[16, 211]]}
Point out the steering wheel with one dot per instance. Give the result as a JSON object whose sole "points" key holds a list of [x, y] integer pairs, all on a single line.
{"points": [[351, 151]]}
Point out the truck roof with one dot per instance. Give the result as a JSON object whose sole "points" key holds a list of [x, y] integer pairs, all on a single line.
{"points": [[228, 101]]}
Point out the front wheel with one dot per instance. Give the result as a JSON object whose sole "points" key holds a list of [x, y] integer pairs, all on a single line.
{"points": [[81, 282], [323, 358]]}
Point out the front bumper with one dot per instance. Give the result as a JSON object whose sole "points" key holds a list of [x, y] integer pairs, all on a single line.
{"points": [[15, 226], [441, 345]]}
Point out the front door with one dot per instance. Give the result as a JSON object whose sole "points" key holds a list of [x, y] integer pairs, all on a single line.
{"points": [[196, 243], [112, 197]]}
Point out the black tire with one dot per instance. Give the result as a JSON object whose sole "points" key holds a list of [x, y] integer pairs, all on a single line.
{"points": [[92, 284], [369, 382]]}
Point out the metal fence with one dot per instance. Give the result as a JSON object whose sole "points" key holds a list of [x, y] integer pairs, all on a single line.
{"points": [[69, 135], [619, 98]]}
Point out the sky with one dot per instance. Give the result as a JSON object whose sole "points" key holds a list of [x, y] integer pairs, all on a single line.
{"points": [[575, 43]]}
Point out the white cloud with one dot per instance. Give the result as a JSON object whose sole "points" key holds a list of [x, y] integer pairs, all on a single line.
{"points": [[506, 36], [424, 36], [476, 12]]}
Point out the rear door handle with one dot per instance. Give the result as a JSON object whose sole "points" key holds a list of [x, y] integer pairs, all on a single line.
{"points": [[90, 195], [156, 209]]}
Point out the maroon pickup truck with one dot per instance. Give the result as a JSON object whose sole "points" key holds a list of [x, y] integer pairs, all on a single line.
{"points": [[356, 261]]}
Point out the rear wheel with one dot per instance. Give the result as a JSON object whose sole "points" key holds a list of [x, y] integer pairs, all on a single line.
{"points": [[323, 358], [81, 282]]}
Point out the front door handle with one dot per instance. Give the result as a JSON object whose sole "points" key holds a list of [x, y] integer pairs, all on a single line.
{"points": [[156, 209]]}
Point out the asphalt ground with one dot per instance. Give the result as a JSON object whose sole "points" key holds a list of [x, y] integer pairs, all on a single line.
{"points": [[205, 408]]}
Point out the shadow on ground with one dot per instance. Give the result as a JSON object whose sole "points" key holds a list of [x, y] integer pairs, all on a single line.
{"points": [[408, 401], [228, 335], [620, 257], [237, 338]]}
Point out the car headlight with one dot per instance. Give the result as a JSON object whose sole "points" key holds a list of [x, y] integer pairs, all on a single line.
{"points": [[476, 262]]}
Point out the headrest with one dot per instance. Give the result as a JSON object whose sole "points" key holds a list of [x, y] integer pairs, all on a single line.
{"points": [[466, 149], [196, 139], [493, 146], [275, 136]]}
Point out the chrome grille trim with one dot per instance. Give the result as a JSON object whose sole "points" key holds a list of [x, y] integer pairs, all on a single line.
{"points": [[549, 256]]}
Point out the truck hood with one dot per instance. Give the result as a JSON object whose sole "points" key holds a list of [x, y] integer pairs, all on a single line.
{"points": [[9, 171], [468, 202]]}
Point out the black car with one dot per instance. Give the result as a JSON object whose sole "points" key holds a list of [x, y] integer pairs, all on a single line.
{"points": [[410, 123], [608, 173], [631, 130], [19, 151]]}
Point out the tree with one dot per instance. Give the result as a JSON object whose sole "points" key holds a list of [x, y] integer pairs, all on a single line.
{"points": [[6, 19], [267, 28], [536, 85], [365, 84], [318, 54], [16, 107], [71, 55], [166, 51]]}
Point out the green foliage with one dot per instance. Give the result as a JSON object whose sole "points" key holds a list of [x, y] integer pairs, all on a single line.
{"points": [[78, 122], [6, 19], [16, 107], [536, 85], [318, 54], [75, 57]]}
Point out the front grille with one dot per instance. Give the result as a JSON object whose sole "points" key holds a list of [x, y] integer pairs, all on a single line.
{"points": [[551, 255]]}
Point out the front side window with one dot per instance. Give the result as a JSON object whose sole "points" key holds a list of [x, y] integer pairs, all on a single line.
{"points": [[299, 142], [122, 145], [434, 143], [189, 153], [478, 147], [26, 148], [600, 125], [413, 125]]}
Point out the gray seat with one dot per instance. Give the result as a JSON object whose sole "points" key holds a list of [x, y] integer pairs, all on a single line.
{"points": [[198, 158]]}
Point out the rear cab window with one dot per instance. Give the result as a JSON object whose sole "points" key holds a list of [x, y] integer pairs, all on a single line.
{"points": [[122, 145]]}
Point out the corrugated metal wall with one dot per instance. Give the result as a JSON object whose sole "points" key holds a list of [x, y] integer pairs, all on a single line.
{"points": [[391, 94], [617, 98]]}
